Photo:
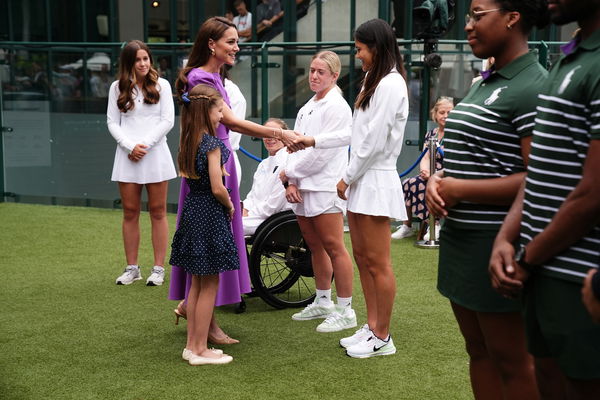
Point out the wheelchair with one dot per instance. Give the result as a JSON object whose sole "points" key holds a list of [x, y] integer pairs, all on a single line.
{"points": [[280, 264]]}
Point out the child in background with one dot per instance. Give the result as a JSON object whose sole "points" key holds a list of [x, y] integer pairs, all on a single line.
{"points": [[203, 243]]}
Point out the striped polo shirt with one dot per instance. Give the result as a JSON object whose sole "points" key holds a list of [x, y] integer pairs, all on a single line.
{"points": [[483, 134], [568, 117]]}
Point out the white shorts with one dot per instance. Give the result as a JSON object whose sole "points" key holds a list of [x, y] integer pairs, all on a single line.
{"points": [[317, 203]]}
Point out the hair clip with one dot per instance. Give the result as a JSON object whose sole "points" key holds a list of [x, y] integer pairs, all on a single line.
{"points": [[185, 98]]}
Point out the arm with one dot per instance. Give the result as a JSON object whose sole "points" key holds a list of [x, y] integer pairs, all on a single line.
{"points": [[424, 166], [113, 120], [167, 116], [215, 175], [591, 295]]}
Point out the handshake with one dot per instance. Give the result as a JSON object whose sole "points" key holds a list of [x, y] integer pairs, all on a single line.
{"points": [[294, 141]]}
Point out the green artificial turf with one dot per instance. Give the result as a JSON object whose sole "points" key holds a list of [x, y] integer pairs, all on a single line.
{"points": [[68, 332]]}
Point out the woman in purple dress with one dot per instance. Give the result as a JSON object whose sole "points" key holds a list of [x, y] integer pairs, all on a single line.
{"points": [[217, 44]]}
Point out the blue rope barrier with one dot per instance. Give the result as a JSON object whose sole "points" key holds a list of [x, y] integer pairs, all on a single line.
{"points": [[403, 174], [252, 156]]}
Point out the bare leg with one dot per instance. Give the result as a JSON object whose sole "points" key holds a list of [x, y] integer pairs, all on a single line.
{"points": [[330, 231], [320, 260], [157, 205], [202, 311], [371, 245], [131, 200], [551, 382]]}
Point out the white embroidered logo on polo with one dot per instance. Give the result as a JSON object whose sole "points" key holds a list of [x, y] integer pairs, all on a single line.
{"points": [[567, 80], [494, 96]]}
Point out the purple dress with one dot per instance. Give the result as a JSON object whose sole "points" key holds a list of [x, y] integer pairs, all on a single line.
{"points": [[232, 284]]}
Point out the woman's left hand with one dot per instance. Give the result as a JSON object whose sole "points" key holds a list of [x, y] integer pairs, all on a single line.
{"points": [[292, 194], [589, 298], [290, 139], [341, 189]]}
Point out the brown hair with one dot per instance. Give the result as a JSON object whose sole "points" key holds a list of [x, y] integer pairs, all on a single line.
{"points": [[213, 28], [195, 121], [279, 122], [127, 80], [379, 37]]}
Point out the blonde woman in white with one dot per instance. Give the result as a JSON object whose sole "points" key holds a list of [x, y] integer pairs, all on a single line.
{"points": [[310, 177]]}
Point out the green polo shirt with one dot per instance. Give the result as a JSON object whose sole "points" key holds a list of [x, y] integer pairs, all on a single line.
{"points": [[568, 119], [484, 131]]}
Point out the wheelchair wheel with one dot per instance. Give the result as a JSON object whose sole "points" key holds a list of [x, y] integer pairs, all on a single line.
{"points": [[280, 264]]}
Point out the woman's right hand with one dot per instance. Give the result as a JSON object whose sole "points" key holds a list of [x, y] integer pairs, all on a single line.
{"points": [[435, 202], [301, 142], [292, 194], [292, 140], [138, 152]]}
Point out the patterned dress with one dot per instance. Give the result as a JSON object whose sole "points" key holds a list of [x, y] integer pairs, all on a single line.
{"points": [[203, 243], [414, 188]]}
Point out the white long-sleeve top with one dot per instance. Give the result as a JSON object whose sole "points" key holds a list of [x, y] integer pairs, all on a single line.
{"points": [[146, 124], [267, 195], [377, 132], [316, 169]]}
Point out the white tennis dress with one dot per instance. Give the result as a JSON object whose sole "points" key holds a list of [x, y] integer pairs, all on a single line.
{"points": [[146, 124]]}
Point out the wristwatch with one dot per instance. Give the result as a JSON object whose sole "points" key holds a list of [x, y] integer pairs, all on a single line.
{"points": [[520, 259]]}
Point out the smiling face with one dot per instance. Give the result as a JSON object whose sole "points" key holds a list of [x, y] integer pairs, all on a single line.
{"points": [[486, 32], [271, 144], [142, 64], [364, 54], [216, 114], [226, 47], [321, 78]]}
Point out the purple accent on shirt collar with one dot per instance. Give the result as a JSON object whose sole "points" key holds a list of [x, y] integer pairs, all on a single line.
{"points": [[487, 73], [569, 47]]}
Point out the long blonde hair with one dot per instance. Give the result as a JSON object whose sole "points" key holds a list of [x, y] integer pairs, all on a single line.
{"points": [[195, 121]]}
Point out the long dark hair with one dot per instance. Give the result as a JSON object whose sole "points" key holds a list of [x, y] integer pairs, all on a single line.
{"points": [[195, 121], [533, 12], [213, 28], [379, 37], [127, 79]]}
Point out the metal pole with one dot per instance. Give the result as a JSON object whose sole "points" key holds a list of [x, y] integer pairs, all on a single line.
{"points": [[432, 242]]}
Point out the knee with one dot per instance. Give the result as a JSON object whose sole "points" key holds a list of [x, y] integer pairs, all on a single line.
{"points": [[476, 349], [158, 211], [131, 213]]}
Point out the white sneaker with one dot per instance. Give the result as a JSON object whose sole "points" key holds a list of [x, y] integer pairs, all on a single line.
{"points": [[157, 277], [363, 333], [130, 275], [314, 311], [403, 232], [338, 321], [372, 347], [437, 233]]}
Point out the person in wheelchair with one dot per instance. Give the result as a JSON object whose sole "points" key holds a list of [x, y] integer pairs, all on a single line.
{"points": [[267, 195]]}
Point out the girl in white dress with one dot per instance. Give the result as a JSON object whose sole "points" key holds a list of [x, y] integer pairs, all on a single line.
{"points": [[311, 176], [370, 182], [140, 113]]}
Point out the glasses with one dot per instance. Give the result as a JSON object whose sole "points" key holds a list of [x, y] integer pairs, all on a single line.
{"points": [[474, 16]]}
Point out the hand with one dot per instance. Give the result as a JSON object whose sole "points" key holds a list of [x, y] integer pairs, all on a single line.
{"points": [[244, 212], [138, 152], [230, 211], [293, 140], [341, 189], [266, 22], [591, 302], [131, 158], [506, 275], [435, 202], [424, 174], [292, 194]]}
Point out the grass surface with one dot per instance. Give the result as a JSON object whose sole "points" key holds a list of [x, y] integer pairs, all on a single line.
{"points": [[68, 332]]}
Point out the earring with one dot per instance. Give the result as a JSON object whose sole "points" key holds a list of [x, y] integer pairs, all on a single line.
{"points": [[212, 52], [509, 26]]}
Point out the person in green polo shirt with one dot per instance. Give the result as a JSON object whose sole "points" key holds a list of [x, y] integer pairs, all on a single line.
{"points": [[486, 149], [556, 218]]}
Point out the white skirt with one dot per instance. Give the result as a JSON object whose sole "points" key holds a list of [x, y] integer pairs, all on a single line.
{"points": [[156, 166], [317, 203], [378, 192]]}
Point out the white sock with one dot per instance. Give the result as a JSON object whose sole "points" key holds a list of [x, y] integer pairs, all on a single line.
{"points": [[323, 296], [344, 302], [134, 265]]}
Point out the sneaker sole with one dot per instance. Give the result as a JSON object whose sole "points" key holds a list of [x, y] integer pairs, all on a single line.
{"points": [[152, 283], [322, 330], [128, 283], [309, 318], [373, 354]]}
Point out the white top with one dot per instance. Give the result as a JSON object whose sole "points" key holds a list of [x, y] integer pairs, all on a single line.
{"points": [[145, 124], [375, 144], [316, 169], [238, 106], [267, 196], [242, 23]]}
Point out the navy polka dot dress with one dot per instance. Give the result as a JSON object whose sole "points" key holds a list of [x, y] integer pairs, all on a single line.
{"points": [[203, 243]]}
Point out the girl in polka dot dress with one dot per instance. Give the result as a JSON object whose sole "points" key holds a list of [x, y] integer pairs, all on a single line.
{"points": [[203, 243]]}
